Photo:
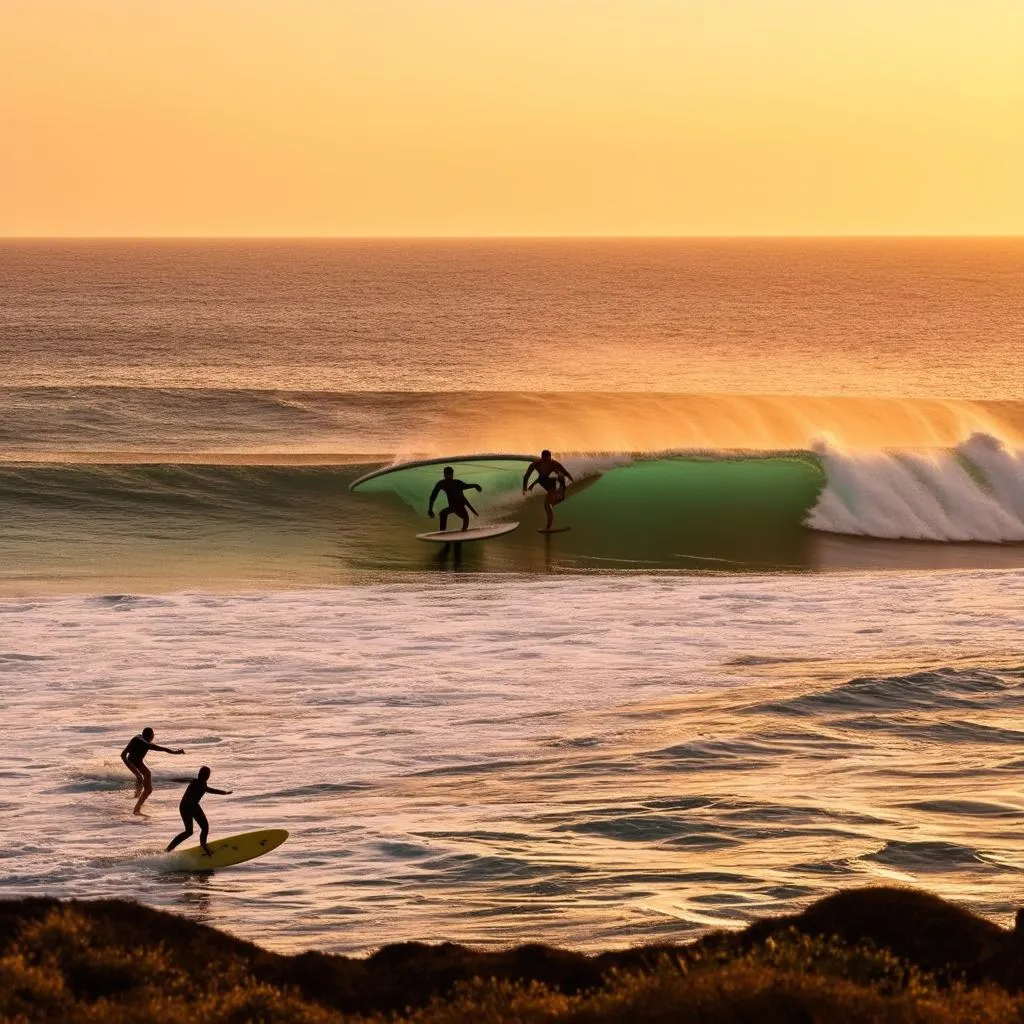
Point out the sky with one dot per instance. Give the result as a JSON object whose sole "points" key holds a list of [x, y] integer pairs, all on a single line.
{"points": [[511, 117]]}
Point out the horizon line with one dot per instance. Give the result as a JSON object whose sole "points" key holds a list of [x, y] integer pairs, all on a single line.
{"points": [[500, 237]]}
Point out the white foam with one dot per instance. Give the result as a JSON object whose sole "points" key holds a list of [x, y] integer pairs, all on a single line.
{"points": [[974, 492]]}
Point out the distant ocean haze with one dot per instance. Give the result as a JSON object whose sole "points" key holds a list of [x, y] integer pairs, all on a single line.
{"points": [[895, 318]]}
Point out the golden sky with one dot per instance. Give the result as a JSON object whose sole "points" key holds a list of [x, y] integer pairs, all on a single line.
{"points": [[511, 117]]}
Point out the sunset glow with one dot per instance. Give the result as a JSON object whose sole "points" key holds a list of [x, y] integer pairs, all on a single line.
{"points": [[493, 117]]}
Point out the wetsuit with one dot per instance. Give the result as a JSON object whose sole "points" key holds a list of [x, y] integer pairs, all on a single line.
{"points": [[549, 483], [454, 491], [458, 504], [190, 810], [551, 477], [137, 750]]}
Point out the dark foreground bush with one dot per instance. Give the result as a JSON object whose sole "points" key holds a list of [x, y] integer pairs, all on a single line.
{"points": [[874, 955]]}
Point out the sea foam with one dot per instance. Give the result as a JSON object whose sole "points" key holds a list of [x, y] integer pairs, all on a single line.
{"points": [[974, 492]]}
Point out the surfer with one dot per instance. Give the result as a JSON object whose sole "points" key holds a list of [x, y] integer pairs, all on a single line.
{"points": [[134, 757], [191, 811], [552, 476], [455, 492]]}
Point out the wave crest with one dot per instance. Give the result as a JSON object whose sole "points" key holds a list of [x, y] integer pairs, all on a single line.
{"points": [[974, 492]]}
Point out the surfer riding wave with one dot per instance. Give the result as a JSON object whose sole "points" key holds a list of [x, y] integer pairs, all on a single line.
{"points": [[552, 476], [458, 503], [192, 814]]}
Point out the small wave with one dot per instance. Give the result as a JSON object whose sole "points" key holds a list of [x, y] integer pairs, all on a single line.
{"points": [[307, 792], [926, 856], [659, 828], [97, 782], [965, 808], [759, 659], [944, 689]]}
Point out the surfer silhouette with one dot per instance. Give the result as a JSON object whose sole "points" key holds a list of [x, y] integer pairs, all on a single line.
{"points": [[455, 491], [134, 757], [191, 811], [552, 476]]}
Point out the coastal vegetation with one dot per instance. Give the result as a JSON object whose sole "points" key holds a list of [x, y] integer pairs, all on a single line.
{"points": [[878, 954]]}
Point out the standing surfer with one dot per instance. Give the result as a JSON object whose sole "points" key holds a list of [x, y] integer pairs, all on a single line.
{"points": [[190, 810], [134, 757], [551, 475], [455, 492]]}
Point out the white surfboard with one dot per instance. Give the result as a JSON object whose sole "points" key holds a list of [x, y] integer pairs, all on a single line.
{"points": [[459, 536]]}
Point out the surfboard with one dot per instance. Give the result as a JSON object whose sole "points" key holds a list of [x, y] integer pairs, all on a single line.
{"points": [[458, 536], [226, 852], [486, 467]]}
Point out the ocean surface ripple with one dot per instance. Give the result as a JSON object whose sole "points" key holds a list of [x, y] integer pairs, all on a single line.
{"points": [[589, 762]]}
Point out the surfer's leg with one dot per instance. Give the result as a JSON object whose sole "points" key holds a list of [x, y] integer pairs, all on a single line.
{"points": [[464, 516], [204, 829], [146, 777], [549, 511], [443, 519], [186, 817], [134, 769]]}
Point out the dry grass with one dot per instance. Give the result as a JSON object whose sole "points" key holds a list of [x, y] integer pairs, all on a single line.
{"points": [[117, 963]]}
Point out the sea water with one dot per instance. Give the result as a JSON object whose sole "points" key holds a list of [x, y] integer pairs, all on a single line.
{"points": [[778, 654]]}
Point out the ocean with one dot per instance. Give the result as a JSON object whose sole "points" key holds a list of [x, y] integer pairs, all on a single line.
{"points": [[778, 653]]}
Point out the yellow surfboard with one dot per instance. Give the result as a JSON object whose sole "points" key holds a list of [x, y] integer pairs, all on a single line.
{"points": [[225, 852]]}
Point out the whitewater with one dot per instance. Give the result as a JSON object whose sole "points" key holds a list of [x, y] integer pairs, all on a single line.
{"points": [[592, 762]]}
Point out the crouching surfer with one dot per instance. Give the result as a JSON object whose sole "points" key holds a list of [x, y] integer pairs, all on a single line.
{"points": [[134, 757], [458, 504], [191, 811]]}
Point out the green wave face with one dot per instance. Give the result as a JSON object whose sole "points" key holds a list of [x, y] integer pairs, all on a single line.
{"points": [[138, 526], [678, 511], [684, 512]]}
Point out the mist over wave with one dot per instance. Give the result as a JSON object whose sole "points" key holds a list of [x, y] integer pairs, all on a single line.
{"points": [[111, 424]]}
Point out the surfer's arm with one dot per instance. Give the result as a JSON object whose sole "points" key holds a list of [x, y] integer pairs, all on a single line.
{"points": [[433, 497], [127, 760], [470, 507], [561, 469], [166, 750]]}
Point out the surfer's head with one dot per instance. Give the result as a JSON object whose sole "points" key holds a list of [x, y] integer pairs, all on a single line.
{"points": [[204, 773], [546, 454], [147, 734], [448, 472]]}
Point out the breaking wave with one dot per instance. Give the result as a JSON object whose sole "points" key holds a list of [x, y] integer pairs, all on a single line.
{"points": [[973, 493]]}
